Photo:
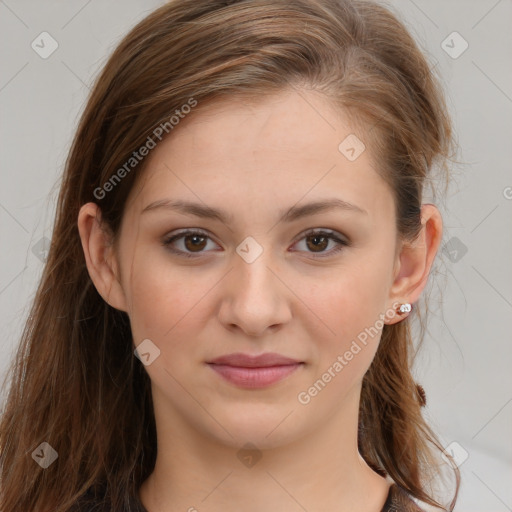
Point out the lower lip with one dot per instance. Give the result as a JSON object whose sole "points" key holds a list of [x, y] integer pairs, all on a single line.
{"points": [[254, 377]]}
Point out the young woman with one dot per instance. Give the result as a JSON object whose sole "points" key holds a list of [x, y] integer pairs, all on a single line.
{"points": [[223, 321]]}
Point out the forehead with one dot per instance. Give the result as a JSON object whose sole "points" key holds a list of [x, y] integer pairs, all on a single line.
{"points": [[278, 148]]}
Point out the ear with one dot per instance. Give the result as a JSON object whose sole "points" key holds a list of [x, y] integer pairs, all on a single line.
{"points": [[415, 261], [100, 256]]}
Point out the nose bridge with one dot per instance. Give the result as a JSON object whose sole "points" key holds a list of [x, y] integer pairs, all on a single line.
{"points": [[253, 268], [256, 297]]}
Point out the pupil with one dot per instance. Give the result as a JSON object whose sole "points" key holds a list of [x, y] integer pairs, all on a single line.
{"points": [[196, 239], [317, 238]]}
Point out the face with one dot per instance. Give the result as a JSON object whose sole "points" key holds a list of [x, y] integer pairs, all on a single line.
{"points": [[263, 278]]}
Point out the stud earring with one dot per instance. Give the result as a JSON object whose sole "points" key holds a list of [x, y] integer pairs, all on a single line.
{"points": [[404, 308]]}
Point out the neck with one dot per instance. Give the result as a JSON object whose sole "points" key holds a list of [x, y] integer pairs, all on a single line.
{"points": [[320, 471]]}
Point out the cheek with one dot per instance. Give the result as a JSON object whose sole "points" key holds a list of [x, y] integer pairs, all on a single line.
{"points": [[163, 299], [347, 311]]}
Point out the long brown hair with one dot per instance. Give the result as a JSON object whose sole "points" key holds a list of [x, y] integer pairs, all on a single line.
{"points": [[75, 382]]}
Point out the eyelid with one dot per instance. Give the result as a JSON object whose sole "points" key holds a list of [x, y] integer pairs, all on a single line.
{"points": [[324, 231], [341, 240], [183, 233]]}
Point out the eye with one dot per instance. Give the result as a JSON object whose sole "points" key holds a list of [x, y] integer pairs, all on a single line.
{"points": [[318, 240], [194, 242]]}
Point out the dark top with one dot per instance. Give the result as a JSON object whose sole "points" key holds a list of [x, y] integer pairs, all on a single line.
{"points": [[397, 501]]}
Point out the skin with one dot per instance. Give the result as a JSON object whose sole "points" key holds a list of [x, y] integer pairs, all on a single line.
{"points": [[256, 160]]}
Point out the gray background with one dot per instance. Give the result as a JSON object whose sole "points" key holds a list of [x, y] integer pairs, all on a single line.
{"points": [[465, 362]]}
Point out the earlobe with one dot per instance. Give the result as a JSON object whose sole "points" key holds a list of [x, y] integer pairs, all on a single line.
{"points": [[99, 256], [416, 259]]}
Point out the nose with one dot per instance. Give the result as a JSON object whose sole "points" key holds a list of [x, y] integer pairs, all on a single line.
{"points": [[255, 296]]}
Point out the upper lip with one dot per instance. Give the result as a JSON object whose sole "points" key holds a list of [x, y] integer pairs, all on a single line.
{"points": [[247, 361]]}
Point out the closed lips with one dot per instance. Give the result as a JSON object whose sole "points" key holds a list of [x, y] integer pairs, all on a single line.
{"points": [[242, 360], [246, 371]]}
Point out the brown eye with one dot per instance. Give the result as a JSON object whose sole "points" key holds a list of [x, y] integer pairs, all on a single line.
{"points": [[318, 241], [193, 243]]}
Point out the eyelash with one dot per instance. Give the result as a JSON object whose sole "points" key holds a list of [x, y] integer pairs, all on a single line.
{"points": [[327, 234]]}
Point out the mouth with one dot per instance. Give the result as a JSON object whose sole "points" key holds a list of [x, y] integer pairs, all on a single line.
{"points": [[246, 371]]}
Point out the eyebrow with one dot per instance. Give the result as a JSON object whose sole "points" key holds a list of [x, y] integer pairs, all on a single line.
{"points": [[293, 213]]}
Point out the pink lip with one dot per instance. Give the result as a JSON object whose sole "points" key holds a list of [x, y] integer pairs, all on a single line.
{"points": [[254, 371]]}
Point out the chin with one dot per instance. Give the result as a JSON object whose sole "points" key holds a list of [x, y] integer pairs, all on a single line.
{"points": [[265, 430]]}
